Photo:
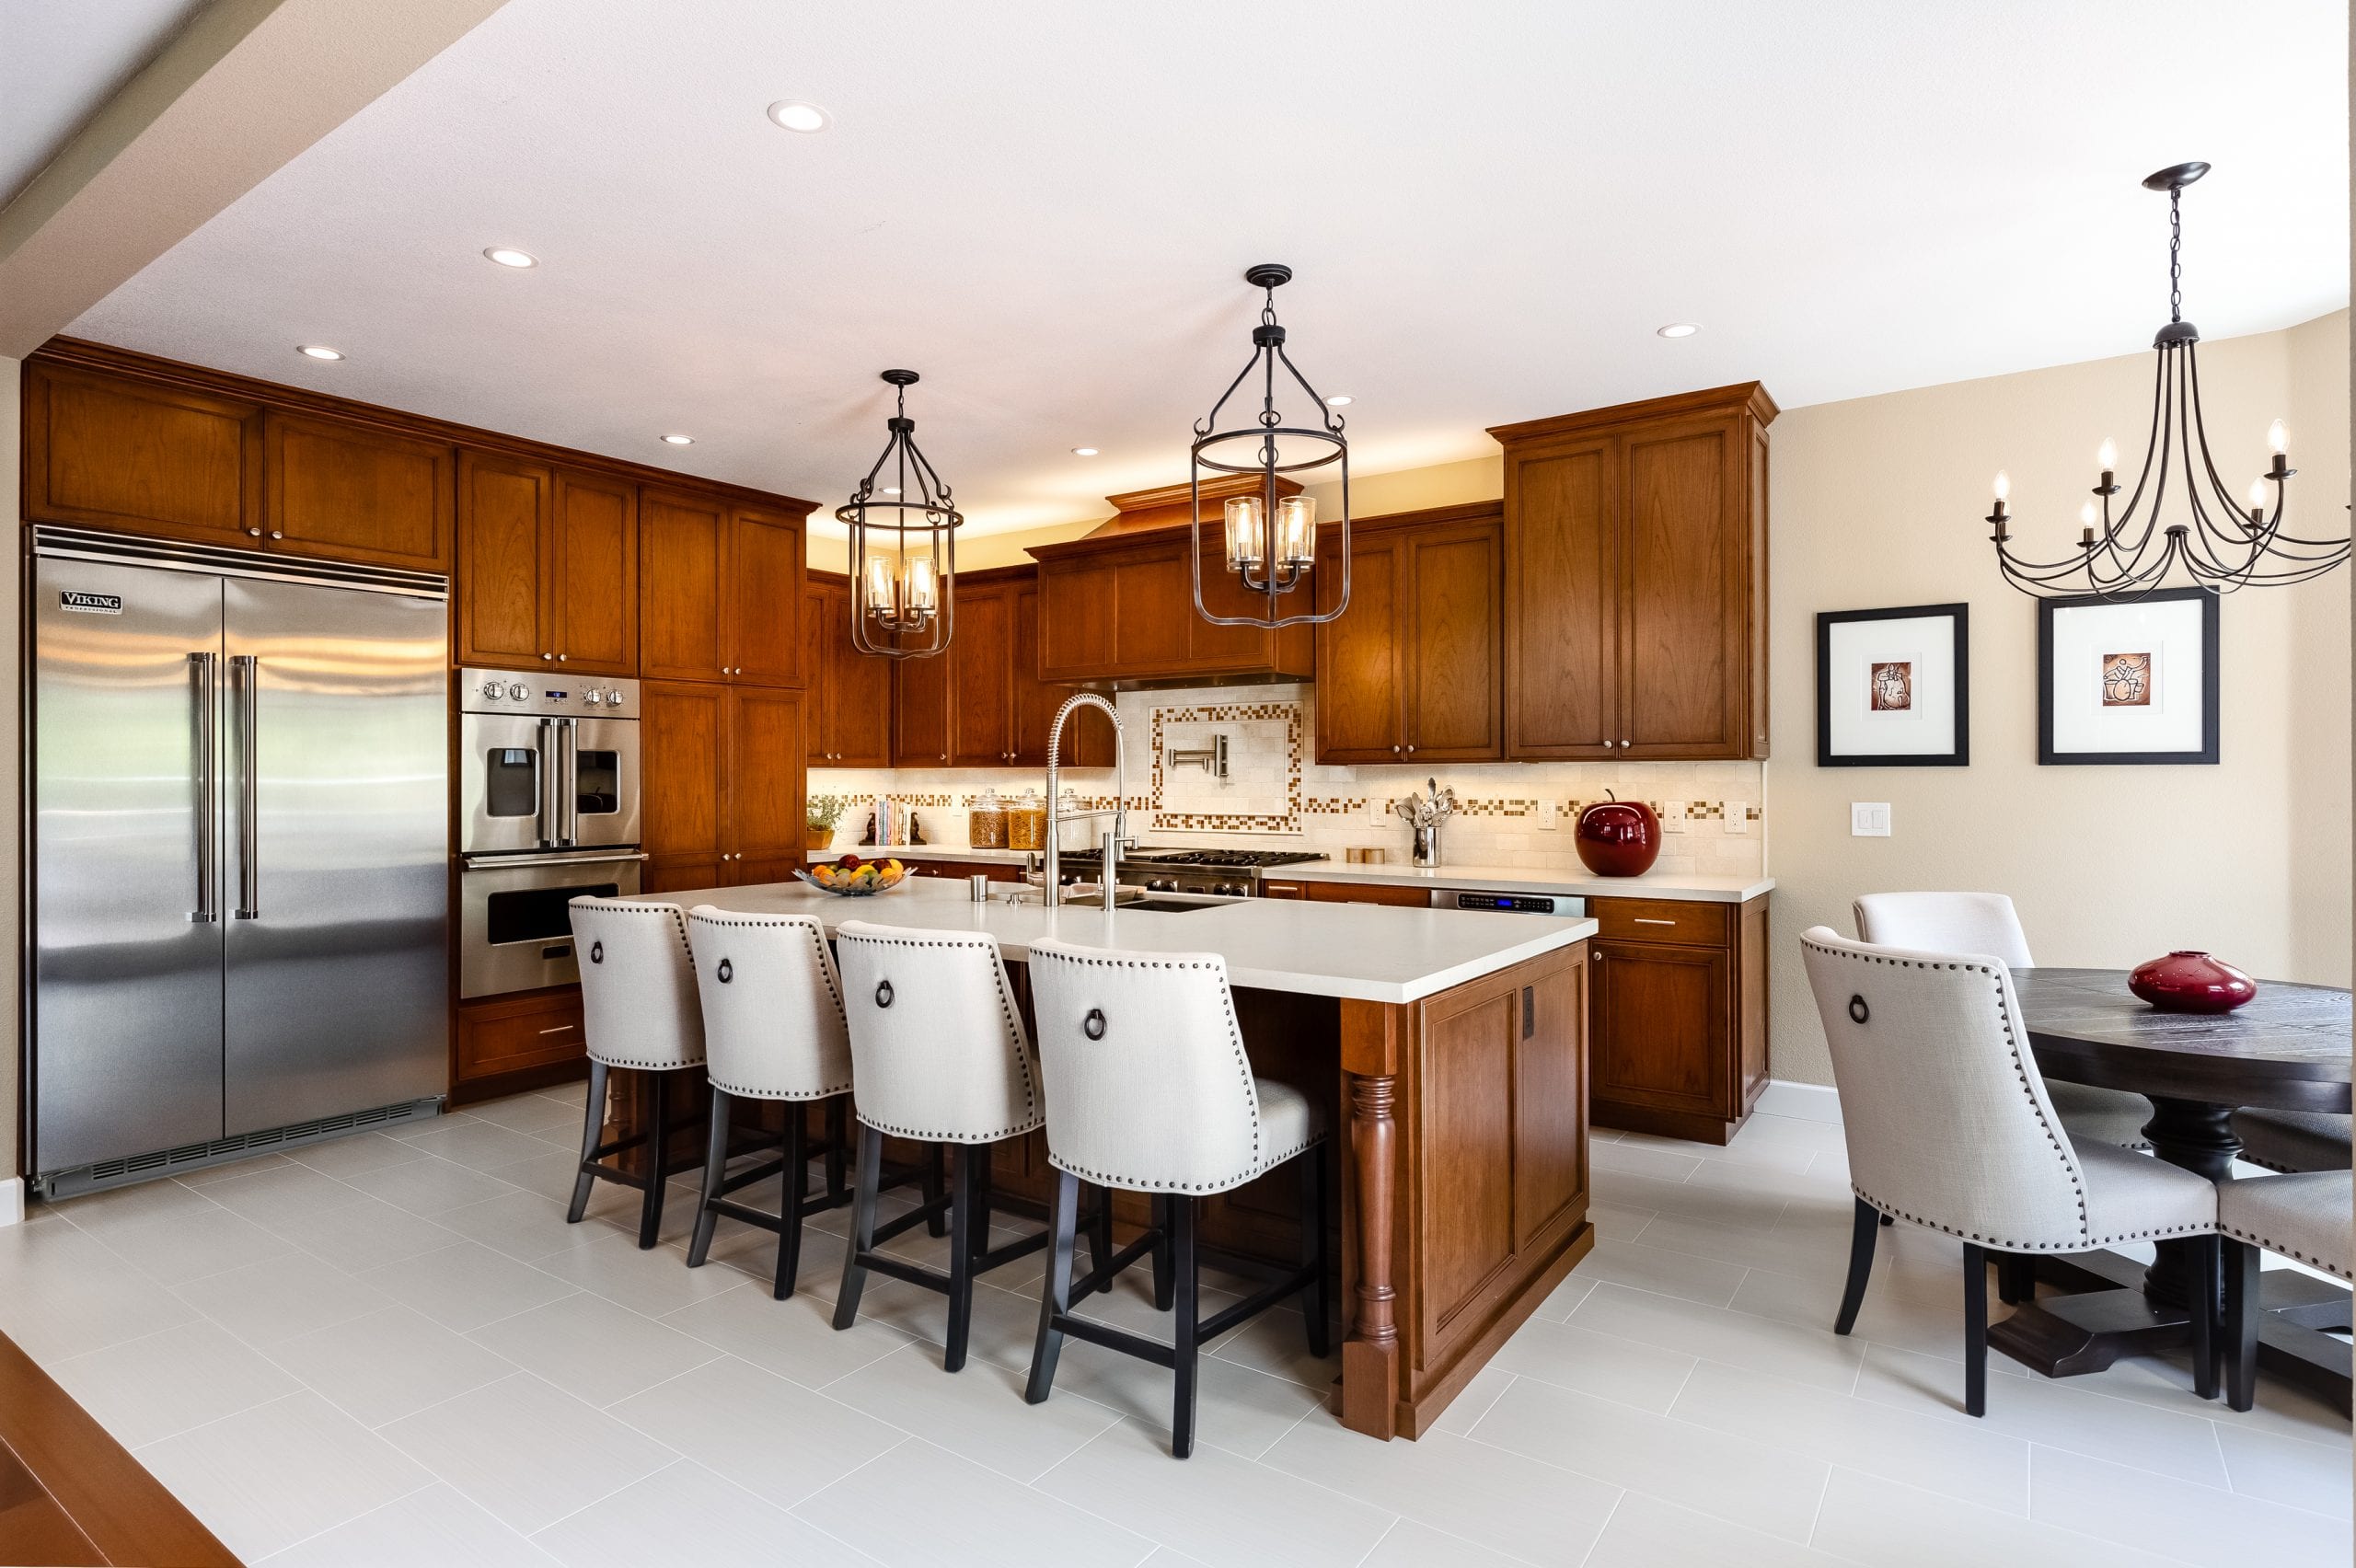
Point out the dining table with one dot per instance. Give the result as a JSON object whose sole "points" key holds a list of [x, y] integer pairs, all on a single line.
{"points": [[2285, 1049]]}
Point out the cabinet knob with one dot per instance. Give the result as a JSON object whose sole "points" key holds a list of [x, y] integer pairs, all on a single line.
{"points": [[255, 531], [276, 534], [1596, 955], [1394, 751], [560, 658], [546, 657], [1410, 751]]}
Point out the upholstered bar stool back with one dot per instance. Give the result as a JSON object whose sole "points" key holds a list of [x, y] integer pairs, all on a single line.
{"points": [[1986, 922], [639, 1010], [1150, 1090], [773, 1030], [1948, 1125], [940, 1055]]}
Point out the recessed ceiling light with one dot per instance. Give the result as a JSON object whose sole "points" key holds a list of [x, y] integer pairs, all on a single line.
{"points": [[1339, 400], [1679, 329], [680, 440], [1083, 452], [316, 351], [507, 256], [891, 490], [793, 115]]}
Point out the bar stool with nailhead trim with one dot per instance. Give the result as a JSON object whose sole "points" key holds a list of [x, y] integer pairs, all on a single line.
{"points": [[1949, 1126], [939, 1055], [638, 1010], [1149, 1091], [773, 1030]]}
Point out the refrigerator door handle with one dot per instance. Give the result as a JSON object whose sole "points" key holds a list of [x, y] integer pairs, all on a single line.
{"points": [[205, 700], [546, 767], [245, 684]]}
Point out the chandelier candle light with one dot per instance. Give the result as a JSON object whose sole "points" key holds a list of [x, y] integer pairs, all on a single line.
{"points": [[2228, 542], [1271, 541], [903, 602]]}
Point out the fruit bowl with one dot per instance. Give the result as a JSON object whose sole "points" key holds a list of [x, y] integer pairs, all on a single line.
{"points": [[852, 878]]}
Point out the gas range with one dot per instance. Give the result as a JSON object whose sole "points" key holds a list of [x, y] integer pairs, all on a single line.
{"points": [[1232, 873]]}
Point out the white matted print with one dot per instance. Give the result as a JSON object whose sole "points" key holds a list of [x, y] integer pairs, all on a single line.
{"points": [[1892, 688], [2131, 681]]}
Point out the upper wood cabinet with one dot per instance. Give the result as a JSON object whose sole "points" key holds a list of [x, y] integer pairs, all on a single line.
{"points": [[1635, 580], [105, 453], [981, 689], [723, 781], [980, 702], [849, 707], [720, 590], [1088, 735], [357, 493], [1412, 669], [1119, 606], [548, 567]]}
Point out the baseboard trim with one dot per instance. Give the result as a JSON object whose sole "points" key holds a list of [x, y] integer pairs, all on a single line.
{"points": [[1808, 1102], [12, 1201]]}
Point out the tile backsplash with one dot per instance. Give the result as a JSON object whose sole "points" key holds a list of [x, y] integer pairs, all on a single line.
{"points": [[1275, 795]]}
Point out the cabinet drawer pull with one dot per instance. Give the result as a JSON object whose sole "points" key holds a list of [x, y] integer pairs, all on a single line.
{"points": [[1648, 920], [560, 1029]]}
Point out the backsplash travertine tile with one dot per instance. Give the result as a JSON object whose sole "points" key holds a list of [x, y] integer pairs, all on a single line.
{"points": [[1276, 797]]}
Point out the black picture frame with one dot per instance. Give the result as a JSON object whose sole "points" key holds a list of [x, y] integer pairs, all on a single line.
{"points": [[1960, 619], [2046, 610]]}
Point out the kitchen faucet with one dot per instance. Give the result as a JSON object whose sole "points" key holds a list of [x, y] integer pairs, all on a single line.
{"points": [[1117, 837]]}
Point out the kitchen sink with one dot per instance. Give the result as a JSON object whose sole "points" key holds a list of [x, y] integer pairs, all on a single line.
{"points": [[1170, 906]]}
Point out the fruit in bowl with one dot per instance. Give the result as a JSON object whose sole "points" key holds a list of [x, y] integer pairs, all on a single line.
{"points": [[852, 877]]}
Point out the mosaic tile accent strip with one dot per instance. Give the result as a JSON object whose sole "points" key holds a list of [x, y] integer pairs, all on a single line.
{"points": [[1507, 806]]}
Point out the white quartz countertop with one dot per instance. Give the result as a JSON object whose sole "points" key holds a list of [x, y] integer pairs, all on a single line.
{"points": [[1363, 952], [1689, 886]]}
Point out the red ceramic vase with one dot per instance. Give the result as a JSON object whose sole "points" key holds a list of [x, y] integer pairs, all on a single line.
{"points": [[1618, 838], [2189, 982]]}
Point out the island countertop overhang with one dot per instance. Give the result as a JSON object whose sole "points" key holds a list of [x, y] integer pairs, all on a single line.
{"points": [[1354, 952]]}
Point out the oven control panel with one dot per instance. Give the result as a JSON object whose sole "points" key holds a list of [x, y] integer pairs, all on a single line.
{"points": [[548, 694]]}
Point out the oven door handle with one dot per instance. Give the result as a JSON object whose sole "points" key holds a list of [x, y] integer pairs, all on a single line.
{"points": [[568, 802], [531, 862], [544, 772]]}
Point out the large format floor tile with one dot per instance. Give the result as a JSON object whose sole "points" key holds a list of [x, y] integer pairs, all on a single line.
{"points": [[388, 1364], [593, 1349], [526, 1450], [268, 1477], [778, 1438], [435, 1525], [919, 1506], [185, 1376]]}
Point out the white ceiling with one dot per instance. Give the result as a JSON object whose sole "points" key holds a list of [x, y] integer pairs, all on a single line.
{"points": [[60, 59], [1045, 208]]}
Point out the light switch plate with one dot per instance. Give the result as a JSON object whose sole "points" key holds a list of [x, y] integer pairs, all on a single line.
{"points": [[1869, 819], [1672, 816], [1738, 817], [1547, 817]]}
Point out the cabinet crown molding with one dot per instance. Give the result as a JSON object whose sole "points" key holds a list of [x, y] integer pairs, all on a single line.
{"points": [[1747, 396]]}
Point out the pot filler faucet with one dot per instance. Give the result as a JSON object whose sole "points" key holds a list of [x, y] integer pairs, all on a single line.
{"points": [[1117, 837]]}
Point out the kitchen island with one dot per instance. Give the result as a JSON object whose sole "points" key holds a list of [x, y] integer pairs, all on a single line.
{"points": [[1449, 1052]]}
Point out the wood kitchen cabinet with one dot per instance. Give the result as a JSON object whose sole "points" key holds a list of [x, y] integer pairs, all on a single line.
{"points": [[1677, 1022], [723, 778], [1413, 668], [1392, 894], [504, 1041], [1088, 735], [357, 493], [849, 693], [720, 590], [548, 567], [980, 703], [102, 452], [1635, 560]]}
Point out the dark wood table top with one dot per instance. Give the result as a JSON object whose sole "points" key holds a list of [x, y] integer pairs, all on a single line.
{"points": [[2286, 1049]]}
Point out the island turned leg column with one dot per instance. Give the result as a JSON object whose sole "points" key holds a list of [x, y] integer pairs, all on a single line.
{"points": [[1370, 1355]]}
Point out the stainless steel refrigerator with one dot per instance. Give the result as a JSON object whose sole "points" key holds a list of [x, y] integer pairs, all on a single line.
{"points": [[239, 853]]}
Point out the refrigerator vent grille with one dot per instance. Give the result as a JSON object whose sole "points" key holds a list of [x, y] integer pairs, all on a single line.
{"points": [[191, 1156]]}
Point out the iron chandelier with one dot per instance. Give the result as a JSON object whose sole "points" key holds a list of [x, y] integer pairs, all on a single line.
{"points": [[1271, 539], [904, 585], [2227, 544]]}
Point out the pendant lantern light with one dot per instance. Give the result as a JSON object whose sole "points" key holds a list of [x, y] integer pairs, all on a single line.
{"points": [[903, 545], [1271, 541]]}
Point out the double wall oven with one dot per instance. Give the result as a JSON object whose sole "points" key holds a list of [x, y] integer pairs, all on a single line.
{"points": [[549, 811]]}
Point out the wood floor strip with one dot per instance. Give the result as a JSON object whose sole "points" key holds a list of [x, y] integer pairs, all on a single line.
{"points": [[119, 1513], [33, 1529]]}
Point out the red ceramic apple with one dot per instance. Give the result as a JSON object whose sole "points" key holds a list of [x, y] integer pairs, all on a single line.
{"points": [[1618, 838], [2191, 982]]}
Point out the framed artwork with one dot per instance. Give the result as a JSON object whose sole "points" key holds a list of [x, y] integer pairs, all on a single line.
{"points": [[2129, 680], [1893, 688]]}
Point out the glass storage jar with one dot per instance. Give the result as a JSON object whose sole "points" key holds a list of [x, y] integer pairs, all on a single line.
{"points": [[1026, 822], [986, 823]]}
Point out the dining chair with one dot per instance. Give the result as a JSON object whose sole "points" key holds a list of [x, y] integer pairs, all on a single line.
{"points": [[2306, 1217], [2294, 1140], [1986, 922], [1949, 1126]]}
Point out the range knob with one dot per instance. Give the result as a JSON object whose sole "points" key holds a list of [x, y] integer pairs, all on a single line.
{"points": [[1161, 884], [1228, 889], [592, 696], [518, 690]]}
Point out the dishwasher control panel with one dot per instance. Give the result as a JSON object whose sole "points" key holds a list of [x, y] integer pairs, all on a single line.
{"points": [[1509, 902]]}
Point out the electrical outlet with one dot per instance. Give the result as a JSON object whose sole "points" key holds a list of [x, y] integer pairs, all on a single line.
{"points": [[1738, 817], [1672, 816], [1378, 810], [1869, 819], [1547, 818]]}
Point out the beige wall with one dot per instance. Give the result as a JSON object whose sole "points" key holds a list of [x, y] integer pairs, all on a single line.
{"points": [[11, 391], [1876, 502]]}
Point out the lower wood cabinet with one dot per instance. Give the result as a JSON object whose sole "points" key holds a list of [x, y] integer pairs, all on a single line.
{"points": [[1417, 897], [723, 781], [1678, 1019], [528, 1032], [960, 869]]}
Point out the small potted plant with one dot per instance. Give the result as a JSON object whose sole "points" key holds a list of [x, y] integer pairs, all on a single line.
{"points": [[820, 814]]}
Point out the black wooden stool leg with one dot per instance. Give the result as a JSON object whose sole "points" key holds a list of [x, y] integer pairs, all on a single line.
{"points": [[715, 1174], [1162, 1275], [863, 1226], [1181, 1412], [984, 1180], [1100, 1236], [2015, 1278], [1864, 1228], [1975, 1330], [1312, 1246], [2242, 1314], [593, 1126], [1054, 1296], [938, 1225], [838, 1145], [960, 1257], [650, 1214], [2204, 1316], [795, 1190]]}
